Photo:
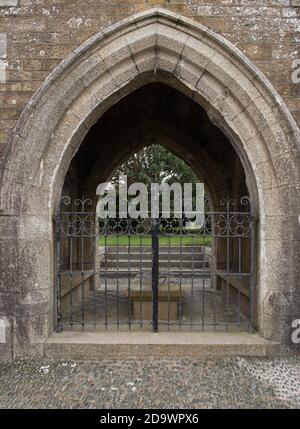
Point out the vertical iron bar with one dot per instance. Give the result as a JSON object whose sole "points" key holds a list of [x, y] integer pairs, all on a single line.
{"points": [[94, 238], [239, 281], [227, 263], [106, 229], [155, 231], [100, 262], [58, 285], [129, 271], [169, 275], [141, 274], [214, 262], [192, 280], [82, 279], [71, 279], [180, 266], [204, 278], [252, 271], [118, 285]]}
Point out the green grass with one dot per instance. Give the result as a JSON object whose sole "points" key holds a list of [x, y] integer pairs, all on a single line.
{"points": [[123, 240]]}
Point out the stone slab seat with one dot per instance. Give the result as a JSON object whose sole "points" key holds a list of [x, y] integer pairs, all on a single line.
{"points": [[72, 283], [241, 283], [239, 289]]}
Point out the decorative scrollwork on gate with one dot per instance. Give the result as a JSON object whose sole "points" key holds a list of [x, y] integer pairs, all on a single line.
{"points": [[234, 219]]}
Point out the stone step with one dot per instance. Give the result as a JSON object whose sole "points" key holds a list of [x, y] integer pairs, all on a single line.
{"points": [[124, 264], [162, 249], [167, 345], [112, 273], [162, 256]]}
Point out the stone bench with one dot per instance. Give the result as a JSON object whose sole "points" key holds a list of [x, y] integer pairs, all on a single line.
{"points": [[237, 285], [74, 285]]}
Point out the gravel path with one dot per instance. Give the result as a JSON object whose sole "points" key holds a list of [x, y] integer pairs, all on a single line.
{"points": [[150, 383]]}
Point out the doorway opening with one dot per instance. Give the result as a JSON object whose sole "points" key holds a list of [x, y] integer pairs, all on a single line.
{"points": [[163, 273]]}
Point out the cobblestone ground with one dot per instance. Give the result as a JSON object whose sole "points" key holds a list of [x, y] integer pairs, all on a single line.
{"points": [[131, 383]]}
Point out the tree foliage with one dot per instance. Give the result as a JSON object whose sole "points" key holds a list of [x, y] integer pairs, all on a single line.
{"points": [[155, 164]]}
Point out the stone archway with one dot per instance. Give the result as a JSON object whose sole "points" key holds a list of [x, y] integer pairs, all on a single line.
{"points": [[153, 46]]}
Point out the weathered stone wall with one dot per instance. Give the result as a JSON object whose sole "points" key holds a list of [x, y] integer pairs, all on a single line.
{"points": [[35, 35]]}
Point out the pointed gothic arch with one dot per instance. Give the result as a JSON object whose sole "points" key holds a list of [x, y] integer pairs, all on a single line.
{"points": [[155, 45]]}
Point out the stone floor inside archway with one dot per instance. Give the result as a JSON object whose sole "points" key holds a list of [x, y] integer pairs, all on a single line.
{"points": [[205, 310]]}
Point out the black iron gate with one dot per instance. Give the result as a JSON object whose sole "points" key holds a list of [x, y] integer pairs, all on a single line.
{"points": [[156, 274]]}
